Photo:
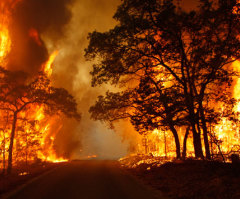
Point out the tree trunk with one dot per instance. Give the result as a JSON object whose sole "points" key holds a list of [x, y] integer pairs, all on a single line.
{"points": [[10, 152], [185, 144], [26, 152], [177, 143], [196, 136], [4, 152], [165, 144], [205, 132], [197, 144]]}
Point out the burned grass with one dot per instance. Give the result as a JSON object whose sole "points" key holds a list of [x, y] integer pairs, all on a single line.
{"points": [[192, 179]]}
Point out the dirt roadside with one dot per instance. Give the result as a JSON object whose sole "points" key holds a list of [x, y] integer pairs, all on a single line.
{"points": [[20, 177]]}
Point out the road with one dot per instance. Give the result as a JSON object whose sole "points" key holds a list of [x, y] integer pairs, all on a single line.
{"points": [[86, 180]]}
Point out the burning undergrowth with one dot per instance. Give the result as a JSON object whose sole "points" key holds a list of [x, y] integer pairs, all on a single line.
{"points": [[147, 162]]}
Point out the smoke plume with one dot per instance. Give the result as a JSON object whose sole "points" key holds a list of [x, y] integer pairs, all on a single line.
{"points": [[88, 16], [40, 27], [32, 19]]}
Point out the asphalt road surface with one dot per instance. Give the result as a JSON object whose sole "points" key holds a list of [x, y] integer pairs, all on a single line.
{"points": [[86, 180]]}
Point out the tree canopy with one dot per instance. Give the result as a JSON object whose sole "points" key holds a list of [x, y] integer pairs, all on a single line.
{"points": [[175, 60]]}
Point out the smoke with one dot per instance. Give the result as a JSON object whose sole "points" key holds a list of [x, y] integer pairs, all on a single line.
{"points": [[96, 139], [30, 18], [72, 72], [40, 27]]}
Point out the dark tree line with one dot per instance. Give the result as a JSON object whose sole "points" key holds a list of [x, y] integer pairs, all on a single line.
{"points": [[174, 64]]}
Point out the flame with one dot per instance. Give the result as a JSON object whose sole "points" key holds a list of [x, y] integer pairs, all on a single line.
{"points": [[5, 18], [38, 126], [5, 43], [161, 143], [236, 91], [47, 152], [228, 132], [225, 136], [91, 156], [51, 157], [47, 67]]}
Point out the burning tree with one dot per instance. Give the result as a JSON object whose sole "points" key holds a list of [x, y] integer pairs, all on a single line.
{"points": [[149, 106], [186, 55], [29, 104], [20, 94]]}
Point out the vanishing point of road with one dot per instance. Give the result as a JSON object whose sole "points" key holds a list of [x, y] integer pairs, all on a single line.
{"points": [[86, 180]]}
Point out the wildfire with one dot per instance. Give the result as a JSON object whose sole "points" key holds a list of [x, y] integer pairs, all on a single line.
{"points": [[227, 132], [55, 159], [43, 126], [224, 137], [38, 127], [47, 142]]}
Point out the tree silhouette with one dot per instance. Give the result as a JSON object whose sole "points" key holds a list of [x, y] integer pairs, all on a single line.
{"points": [[193, 50]]}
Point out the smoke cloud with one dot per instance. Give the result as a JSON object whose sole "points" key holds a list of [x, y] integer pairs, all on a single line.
{"points": [[30, 18], [40, 27], [94, 137]]}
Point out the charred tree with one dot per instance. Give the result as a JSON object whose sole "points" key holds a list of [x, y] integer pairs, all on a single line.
{"points": [[184, 152], [10, 150]]}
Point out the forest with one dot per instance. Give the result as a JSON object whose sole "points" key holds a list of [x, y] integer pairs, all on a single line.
{"points": [[142, 105], [177, 71]]}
